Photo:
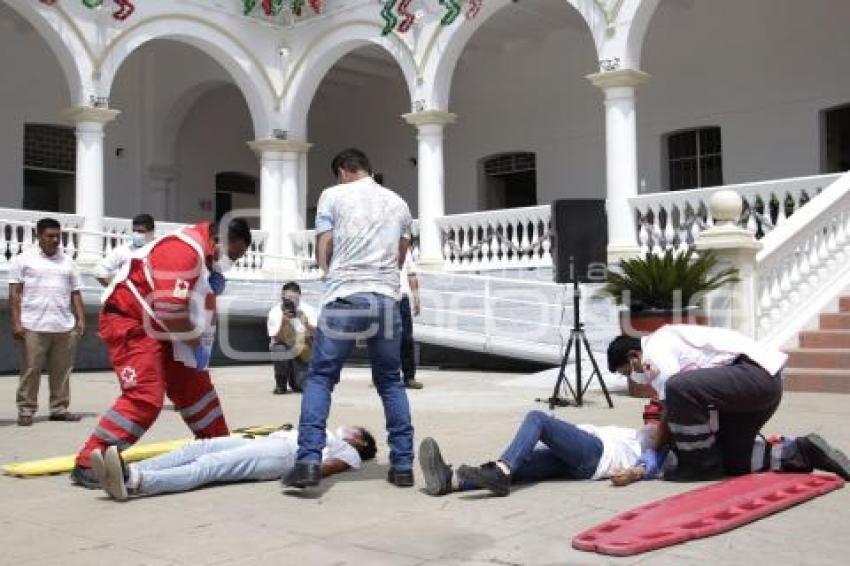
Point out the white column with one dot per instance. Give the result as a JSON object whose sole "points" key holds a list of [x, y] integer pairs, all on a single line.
{"points": [[621, 157], [736, 247], [90, 122], [432, 199], [279, 197]]}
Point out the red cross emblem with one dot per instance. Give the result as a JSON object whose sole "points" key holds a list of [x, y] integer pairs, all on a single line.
{"points": [[128, 377]]}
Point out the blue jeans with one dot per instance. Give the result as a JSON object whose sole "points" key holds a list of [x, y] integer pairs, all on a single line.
{"points": [[225, 459], [377, 319], [568, 452]]}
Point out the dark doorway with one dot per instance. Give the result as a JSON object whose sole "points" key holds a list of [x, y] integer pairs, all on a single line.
{"points": [[50, 191], [223, 204], [836, 154], [509, 180]]}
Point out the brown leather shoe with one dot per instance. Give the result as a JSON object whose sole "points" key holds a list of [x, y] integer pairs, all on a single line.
{"points": [[24, 420], [65, 417]]}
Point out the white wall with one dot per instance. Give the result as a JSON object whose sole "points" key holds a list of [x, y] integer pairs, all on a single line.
{"points": [[32, 89], [527, 96], [368, 118], [214, 139], [761, 70]]}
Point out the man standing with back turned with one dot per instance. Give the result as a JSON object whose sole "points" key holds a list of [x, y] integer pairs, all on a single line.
{"points": [[363, 234]]}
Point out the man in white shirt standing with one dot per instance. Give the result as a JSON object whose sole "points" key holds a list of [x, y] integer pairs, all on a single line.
{"points": [[143, 233], [719, 387], [291, 326], [48, 319], [363, 233], [409, 306]]}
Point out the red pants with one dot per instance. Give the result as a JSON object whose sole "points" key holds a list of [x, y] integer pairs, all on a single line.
{"points": [[146, 373]]}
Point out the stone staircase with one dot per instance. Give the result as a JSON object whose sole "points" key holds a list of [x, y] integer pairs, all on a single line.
{"points": [[821, 363]]}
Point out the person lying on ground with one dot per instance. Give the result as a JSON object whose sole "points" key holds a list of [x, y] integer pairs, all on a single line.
{"points": [[572, 452], [226, 460]]}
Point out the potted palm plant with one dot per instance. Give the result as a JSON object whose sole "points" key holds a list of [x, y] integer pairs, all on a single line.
{"points": [[655, 290]]}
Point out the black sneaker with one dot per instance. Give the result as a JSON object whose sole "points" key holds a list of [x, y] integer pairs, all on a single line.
{"points": [[489, 476], [400, 478], [824, 457], [438, 475], [279, 391], [84, 477]]}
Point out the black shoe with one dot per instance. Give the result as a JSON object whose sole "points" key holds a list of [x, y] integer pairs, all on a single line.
{"points": [[84, 477], [824, 457], [413, 384], [279, 391], [400, 478], [65, 417], [25, 420], [489, 476], [438, 475], [305, 474]]}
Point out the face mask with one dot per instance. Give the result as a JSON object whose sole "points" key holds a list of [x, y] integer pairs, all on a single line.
{"points": [[344, 432], [639, 377], [137, 240], [224, 263]]}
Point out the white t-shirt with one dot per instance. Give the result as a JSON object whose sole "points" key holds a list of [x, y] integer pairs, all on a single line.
{"points": [[620, 448], [110, 265], [367, 221], [48, 283], [275, 318], [675, 348], [335, 447], [408, 269]]}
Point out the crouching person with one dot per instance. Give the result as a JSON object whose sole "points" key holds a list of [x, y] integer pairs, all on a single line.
{"points": [[226, 460], [718, 387], [568, 452]]}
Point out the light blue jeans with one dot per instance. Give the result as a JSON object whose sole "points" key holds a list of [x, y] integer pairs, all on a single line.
{"points": [[225, 459]]}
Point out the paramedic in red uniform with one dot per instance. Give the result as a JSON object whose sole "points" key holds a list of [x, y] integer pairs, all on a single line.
{"points": [[158, 324]]}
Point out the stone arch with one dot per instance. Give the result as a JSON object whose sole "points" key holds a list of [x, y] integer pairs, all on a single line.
{"points": [[323, 52], [441, 53], [246, 70], [65, 42], [637, 31]]}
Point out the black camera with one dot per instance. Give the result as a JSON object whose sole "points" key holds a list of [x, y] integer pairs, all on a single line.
{"points": [[289, 307]]}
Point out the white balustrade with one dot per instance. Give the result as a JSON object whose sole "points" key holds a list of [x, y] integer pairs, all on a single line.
{"points": [[674, 219], [250, 265], [803, 264], [304, 248], [498, 239], [17, 231]]}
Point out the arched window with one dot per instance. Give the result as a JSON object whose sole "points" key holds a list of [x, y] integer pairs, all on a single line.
{"points": [[509, 180], [836, 139], [50, 163], [694, 158]]}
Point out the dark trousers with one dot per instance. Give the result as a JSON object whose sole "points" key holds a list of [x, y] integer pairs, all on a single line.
{"points": [[408, 356], [714, 416]]}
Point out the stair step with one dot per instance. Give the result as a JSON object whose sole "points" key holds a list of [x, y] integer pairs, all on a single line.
{"points": [[835, 321], [817, 380], [844, 304], [825, 339], [825, 358]]}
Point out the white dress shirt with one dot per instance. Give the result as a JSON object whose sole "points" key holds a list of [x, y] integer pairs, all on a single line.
{"points": [[48, 282]]}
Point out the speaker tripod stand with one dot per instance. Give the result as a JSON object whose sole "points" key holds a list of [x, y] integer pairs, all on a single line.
{"points": [[578, 339]]}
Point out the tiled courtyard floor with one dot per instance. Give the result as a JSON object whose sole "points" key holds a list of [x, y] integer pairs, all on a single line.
{"points": [[357, 518]]}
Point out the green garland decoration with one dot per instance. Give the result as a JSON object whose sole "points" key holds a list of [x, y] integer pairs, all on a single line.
{"points": [[93, 3], [452, 11], [297, 7], [390, 19], [248, 6]]}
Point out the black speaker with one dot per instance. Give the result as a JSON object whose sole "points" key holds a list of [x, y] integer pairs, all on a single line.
{"points": [[579, 241]]}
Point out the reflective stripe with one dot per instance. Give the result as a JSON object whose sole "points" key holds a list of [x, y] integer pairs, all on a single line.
{"points": [[199, 405], [757, 458], [776, 456], [125, 423], [713, 420], [691, 430], [207, 420], [696, 444], [110, 438]]}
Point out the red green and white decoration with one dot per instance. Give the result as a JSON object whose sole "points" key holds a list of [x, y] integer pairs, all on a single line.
{"points": [[399, 15], [123, 8], [275, 7]]}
